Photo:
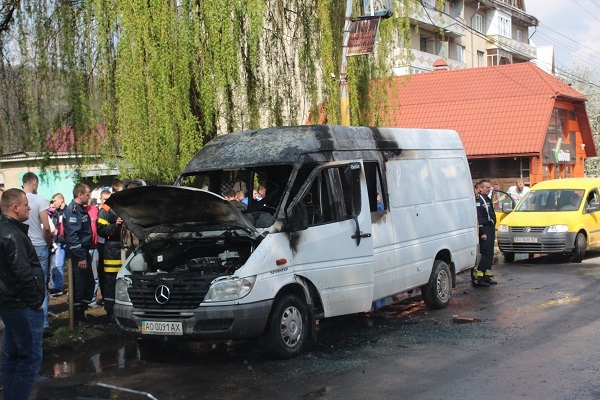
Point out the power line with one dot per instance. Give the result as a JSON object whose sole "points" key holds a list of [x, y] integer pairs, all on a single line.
{"points": [[587, 11]]}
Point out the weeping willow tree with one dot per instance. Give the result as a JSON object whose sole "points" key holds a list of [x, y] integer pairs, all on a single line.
{"points": [[151, 81]]}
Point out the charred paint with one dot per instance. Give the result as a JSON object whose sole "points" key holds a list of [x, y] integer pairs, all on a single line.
{"points": [[289, 145], [294, 239]]}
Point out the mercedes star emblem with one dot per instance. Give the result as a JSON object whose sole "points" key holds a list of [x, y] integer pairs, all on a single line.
{"points": [[528, 229], [162, 294]]}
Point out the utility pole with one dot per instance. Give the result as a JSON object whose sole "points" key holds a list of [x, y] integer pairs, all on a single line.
{"points": [[344, 101]]}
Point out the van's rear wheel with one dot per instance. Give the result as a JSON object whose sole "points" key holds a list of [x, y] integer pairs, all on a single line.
{"points": [[288, 327], [436, 293], [580, 248]]}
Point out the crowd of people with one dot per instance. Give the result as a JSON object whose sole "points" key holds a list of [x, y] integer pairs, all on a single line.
{"points": [[37, 237]]}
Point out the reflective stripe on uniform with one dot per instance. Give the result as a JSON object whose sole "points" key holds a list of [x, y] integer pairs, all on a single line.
{"points": [[102, 221], [112, 265]]}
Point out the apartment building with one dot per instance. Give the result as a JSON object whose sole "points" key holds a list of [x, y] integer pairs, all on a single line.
{"points": [[467, 34]]}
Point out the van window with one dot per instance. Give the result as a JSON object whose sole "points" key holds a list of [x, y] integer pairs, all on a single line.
{"points": [[593, 199], [330, 196], [377, 194]]}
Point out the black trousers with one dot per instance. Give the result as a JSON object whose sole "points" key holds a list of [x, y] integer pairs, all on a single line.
{"points": [[486, 248], [84, 283]]}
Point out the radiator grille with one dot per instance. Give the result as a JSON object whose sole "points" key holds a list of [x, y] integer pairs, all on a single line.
{"points": [[186, 291]]}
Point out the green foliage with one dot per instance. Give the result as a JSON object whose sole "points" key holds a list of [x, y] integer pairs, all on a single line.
{"points": [[159, 78]]}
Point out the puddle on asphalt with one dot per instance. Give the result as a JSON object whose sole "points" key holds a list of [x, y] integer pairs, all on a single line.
{"points": [[60, 363], [456, 320]]}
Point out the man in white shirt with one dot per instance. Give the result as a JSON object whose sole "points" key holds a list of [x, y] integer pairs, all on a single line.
{"points": [[39, 229], [518, 191]]}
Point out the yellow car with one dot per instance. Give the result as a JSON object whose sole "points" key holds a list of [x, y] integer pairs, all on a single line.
{"points": [[560, 216]]}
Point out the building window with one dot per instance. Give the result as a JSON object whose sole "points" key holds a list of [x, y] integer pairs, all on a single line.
{"points": [[572, 115], [460, 53], [557, 171], [423, 44], [504, 28], [480, 59], [519, 36], [557, 125], [478, 23], [568, 171]]}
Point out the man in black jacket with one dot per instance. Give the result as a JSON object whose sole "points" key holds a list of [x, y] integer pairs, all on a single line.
{"points": [[22, 292]]}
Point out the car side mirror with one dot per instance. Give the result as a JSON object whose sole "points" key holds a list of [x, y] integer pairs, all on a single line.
{"points": [[507, 208], [593, 206]]}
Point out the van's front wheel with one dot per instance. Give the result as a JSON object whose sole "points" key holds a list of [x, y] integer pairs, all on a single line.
{"points": [[580, 247], [288, 327], [436, 293]]}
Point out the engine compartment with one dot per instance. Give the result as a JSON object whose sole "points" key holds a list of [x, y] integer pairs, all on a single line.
{"points": [[203, 257]]}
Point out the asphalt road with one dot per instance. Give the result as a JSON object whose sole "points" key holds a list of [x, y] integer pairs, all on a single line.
{"points": [[535, 335]]}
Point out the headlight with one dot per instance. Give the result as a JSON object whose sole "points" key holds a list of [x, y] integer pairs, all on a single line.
{"points": [[503, 228], [229, 288], [558, 228], [121, 295]]}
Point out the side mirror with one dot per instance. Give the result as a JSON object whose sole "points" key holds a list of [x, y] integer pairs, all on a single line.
{"points": [[297, 220], [507, 208], [592, 207]]}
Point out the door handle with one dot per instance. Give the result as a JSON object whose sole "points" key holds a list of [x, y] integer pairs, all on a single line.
{"points": [[362, 235]]}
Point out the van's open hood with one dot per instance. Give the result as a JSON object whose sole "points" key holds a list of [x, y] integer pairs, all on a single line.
{"points": [[150, 209]]}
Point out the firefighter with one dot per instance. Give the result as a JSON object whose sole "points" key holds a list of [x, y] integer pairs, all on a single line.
{"points": [[487, 235], [109, 228]]}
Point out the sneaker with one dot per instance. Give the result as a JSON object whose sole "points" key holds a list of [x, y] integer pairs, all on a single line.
{"points": [[55, 292]]}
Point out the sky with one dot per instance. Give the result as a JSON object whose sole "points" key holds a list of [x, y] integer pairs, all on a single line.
{"points": [[573, 27]]}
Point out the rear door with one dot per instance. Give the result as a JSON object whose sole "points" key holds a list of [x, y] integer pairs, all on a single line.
{"points": [[335, 251]]}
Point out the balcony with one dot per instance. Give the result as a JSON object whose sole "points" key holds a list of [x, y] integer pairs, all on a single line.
{"points": [[432, 20], [521, 50], [421, 62]]}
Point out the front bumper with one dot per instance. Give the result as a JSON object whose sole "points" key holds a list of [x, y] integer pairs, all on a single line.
{"points": [[240, 321], [536, 242]]}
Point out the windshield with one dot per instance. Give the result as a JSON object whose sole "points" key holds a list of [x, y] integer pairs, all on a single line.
{"points": [[551, 200], [256, 191]]}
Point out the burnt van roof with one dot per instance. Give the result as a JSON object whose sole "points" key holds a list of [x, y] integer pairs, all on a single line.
{"points": [[292, 144]]}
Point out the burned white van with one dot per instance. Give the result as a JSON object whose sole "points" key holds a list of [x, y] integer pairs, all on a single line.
{"points": [[351, 215]]}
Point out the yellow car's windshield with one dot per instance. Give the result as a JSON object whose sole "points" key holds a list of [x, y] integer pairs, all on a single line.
{"points": [[551, 200]]}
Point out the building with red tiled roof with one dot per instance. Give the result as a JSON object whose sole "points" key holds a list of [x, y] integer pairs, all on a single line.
{"points": [[515, 121]]}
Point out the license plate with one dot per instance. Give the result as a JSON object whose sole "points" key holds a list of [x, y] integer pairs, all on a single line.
{"points": [[526, 239], [162, 328]]}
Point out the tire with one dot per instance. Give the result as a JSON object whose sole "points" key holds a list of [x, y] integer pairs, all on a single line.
{"points": [[509, 257], [288, 328], [436, 293], [580, 248]]}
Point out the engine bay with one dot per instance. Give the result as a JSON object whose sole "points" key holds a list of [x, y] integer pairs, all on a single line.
{"points": [[203, 257]]}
